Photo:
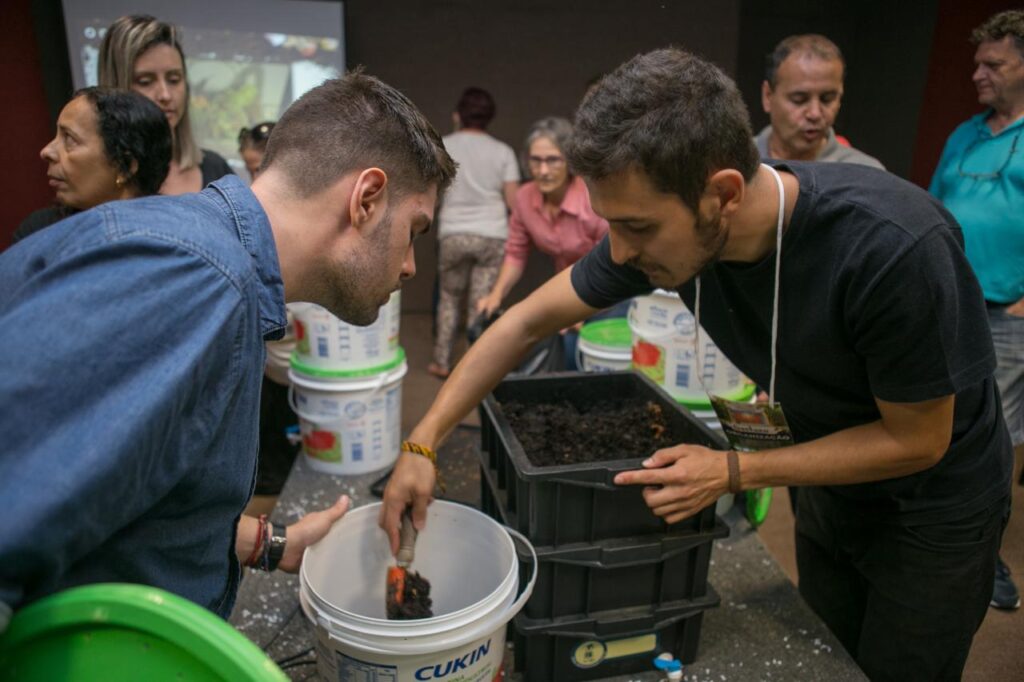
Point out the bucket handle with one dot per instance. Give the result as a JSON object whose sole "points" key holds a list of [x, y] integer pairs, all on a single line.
{"points": [[489, 624], [295, 408], [378, 384]]}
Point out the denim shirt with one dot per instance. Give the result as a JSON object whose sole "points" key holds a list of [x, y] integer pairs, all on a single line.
{"points": [[132, 351]]}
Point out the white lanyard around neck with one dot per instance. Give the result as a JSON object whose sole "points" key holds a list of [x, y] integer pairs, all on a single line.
{"points": [[775, 301]]}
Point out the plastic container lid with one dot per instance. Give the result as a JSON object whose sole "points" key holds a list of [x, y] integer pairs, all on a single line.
{"points": [[121, 632], [614, 332], [311, 371]]}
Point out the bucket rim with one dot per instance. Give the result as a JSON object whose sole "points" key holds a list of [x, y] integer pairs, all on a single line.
{"points": [[399, 629], [614, 332], [400, 640], [742, 393], [311, 371]]}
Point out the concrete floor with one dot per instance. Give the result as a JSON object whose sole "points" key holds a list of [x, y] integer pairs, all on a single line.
{"points": [[998, 651]]}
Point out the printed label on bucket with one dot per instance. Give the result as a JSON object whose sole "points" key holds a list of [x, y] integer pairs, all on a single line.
{"points": [[480, 661]]}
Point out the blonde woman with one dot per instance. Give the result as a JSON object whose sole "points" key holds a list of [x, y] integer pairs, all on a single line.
{"points": [[142, 54]]}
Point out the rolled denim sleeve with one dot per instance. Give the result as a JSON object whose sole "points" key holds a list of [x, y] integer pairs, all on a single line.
{"points": [[105, 351]]}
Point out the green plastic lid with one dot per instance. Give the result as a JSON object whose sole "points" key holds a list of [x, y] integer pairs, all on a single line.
{"points": [[741, 394], [120, 632], [311, 371], [614, 332]]}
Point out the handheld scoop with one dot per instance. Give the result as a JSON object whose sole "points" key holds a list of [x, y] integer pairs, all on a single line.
{"points": [[408, 593]]}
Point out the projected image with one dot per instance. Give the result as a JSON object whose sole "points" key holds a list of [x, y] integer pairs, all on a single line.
{"points": [[238, 76]]}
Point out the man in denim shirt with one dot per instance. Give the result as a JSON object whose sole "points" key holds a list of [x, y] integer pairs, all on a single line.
{"points": [[134, 346]]}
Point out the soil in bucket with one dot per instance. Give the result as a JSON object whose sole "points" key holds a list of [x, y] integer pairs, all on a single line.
{"points": [[562, 433], [409, 598]]}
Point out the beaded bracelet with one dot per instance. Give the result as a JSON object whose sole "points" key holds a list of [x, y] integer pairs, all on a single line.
{"points": [[423, 450]]}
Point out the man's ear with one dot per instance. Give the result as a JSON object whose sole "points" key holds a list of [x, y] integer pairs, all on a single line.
{"points": [[766, 97], [727, 187], [369, 197]]}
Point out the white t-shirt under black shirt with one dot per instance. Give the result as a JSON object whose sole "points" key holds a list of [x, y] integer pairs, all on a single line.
{"points": [[475, 203]]}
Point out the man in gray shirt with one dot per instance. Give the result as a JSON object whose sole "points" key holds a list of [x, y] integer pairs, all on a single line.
{"points": [[802, 92]]}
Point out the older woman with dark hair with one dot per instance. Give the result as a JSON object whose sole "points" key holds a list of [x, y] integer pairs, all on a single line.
{"points": [[110, 144]]}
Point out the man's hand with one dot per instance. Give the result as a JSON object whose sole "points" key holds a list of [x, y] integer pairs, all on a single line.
{"points": [[308, 530], [681, 480], [411, 484], [1017, 309]]}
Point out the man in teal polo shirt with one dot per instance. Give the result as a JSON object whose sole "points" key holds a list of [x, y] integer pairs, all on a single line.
{"points": [[980, 179]]}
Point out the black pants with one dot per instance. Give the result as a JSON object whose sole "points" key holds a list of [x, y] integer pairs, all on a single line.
{"points": [[904, 601], [277, 454]]}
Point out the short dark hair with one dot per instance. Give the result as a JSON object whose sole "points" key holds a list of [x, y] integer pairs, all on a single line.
{"points": [[133, 129], [669, 114], [813, 44], [475, 108], [998, 26], [255, 137], [357, 122]]}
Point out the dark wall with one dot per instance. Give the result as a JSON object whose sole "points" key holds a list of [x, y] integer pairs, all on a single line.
{"points": [[886, 46], [949, 94], [535, 56], [26, 120]]}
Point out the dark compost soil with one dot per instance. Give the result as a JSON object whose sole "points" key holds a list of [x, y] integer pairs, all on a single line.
{"points": [[416, 600], [561, 433]]}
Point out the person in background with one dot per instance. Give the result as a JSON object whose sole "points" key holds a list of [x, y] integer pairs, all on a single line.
{"points": [[801, 93], [252, 143], [883, 358], [277, 453], [142, 54], [551, 213], [473, 220], [110, 144], [980, 179], [134, 336]]}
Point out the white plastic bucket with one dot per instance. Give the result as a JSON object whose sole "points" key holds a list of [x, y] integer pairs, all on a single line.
{"points": [[279, 353], [473, 568], [326, 342], [604, 346], [350, 422], [663, 349]]}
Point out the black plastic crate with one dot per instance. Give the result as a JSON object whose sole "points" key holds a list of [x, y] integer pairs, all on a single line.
{"points": [[616, 643], [555, 505], [584, 578]]}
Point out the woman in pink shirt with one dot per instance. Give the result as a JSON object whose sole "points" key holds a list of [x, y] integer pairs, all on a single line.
{"points": [[551, 213]]}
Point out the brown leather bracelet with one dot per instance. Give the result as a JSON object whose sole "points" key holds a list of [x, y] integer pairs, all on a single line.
{"points": [[733, 460]]}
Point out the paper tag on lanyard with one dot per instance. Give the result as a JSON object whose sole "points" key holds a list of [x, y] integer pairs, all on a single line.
{"points": [[760, 425]]}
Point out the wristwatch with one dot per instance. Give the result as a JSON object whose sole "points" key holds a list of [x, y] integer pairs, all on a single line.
{"points": [[278, 540]]}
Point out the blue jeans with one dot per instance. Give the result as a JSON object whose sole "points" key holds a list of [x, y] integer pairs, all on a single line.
{"points": [[1008, 338]]}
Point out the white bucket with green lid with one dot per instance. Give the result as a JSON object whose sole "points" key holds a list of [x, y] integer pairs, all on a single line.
{"points": [[605, 346], [663, 331], [350, 421]]}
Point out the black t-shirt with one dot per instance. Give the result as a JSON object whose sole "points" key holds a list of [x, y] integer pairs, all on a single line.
{"points": [[876, 299], [213, 167]]}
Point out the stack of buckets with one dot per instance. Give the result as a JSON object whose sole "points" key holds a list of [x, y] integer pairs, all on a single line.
{"points": [[658, 339], [346, 388]]}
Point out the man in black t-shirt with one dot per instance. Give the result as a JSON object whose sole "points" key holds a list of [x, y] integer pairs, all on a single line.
{"points": [[883, 363]]}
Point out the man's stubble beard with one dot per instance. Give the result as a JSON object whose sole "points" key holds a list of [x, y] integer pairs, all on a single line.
{"points": [[349, 290]]}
